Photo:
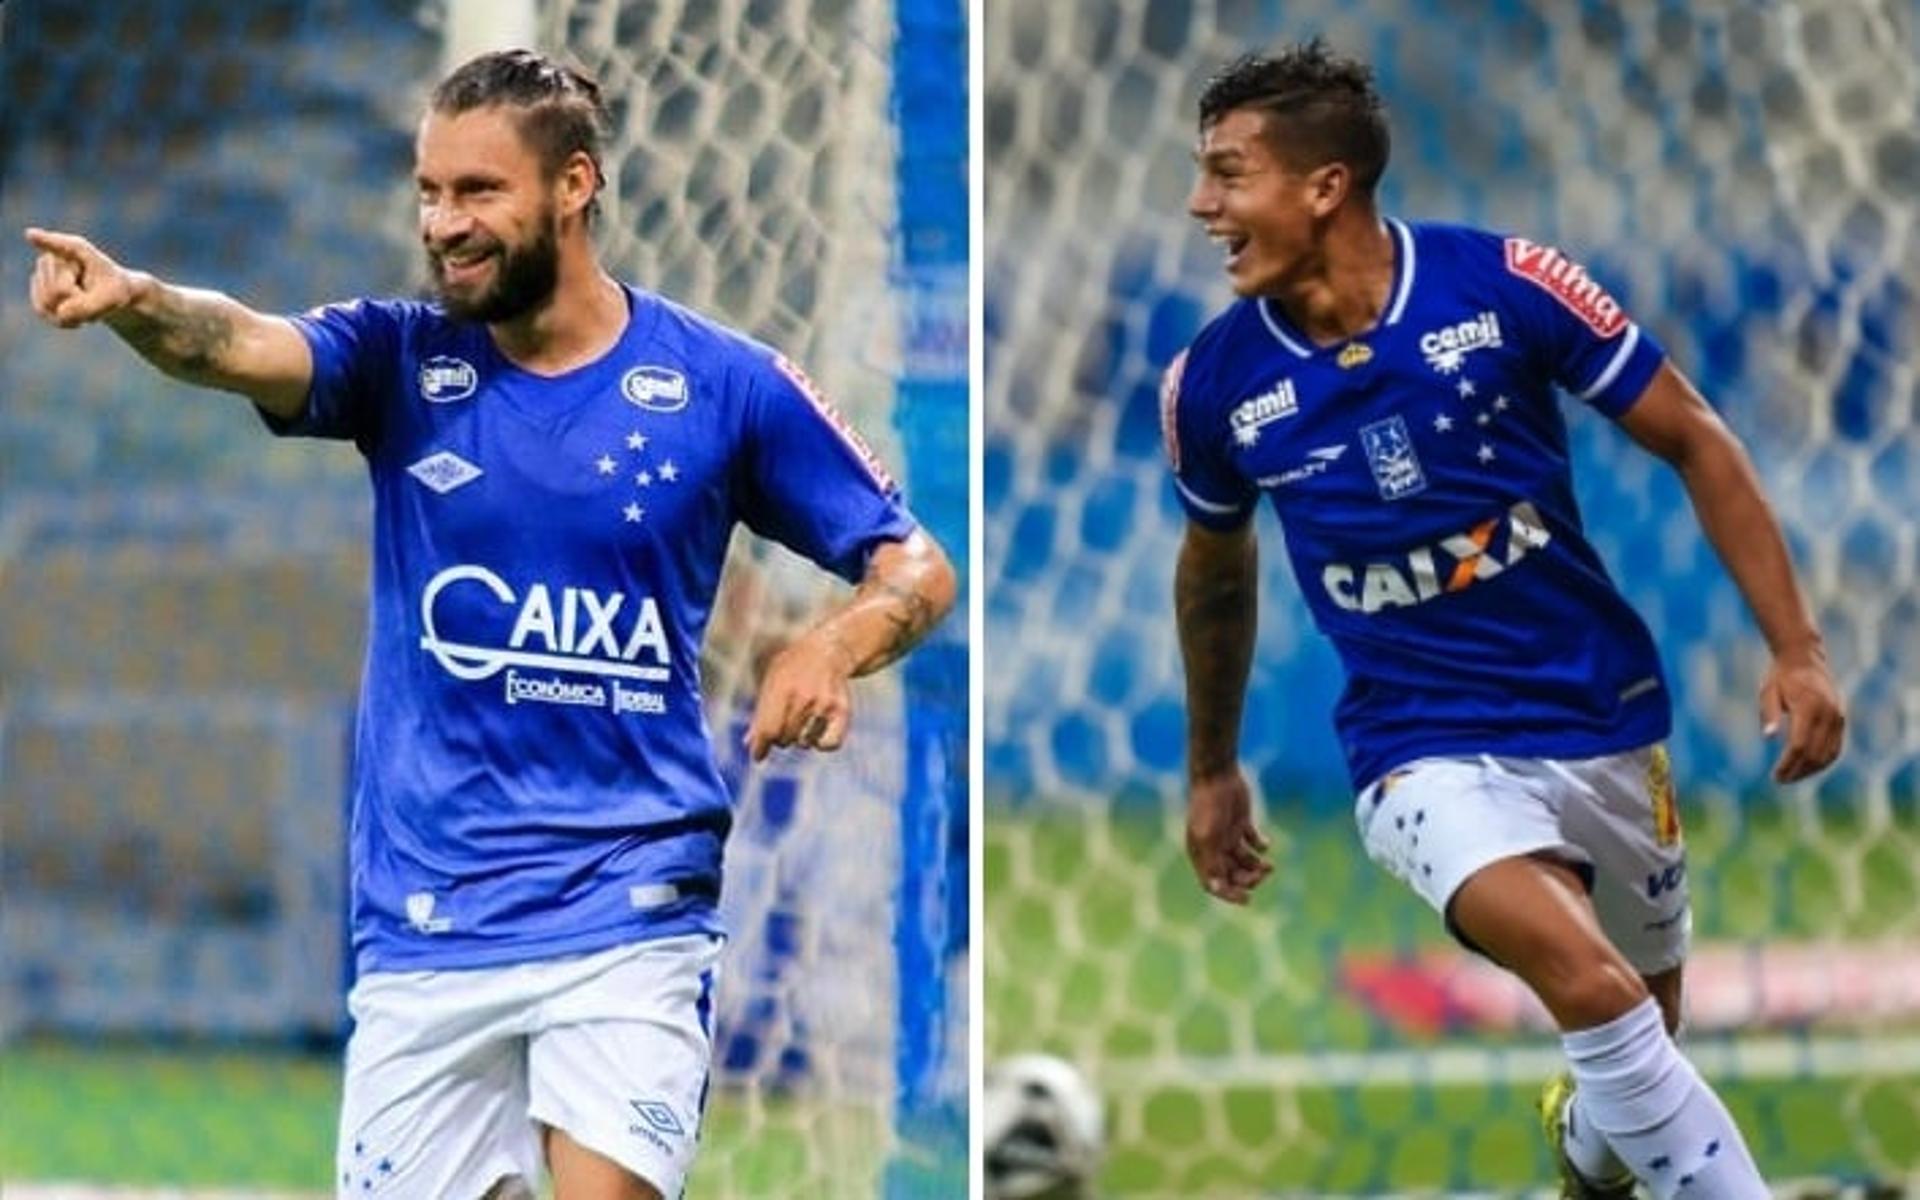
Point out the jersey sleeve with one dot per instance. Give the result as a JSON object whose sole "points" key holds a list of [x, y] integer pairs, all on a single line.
{"points": [[1589, 344], [1211, 491], [356, 351], [807, 479]]}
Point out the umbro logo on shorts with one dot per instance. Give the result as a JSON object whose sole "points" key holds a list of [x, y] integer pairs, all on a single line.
{"points": [[656, 1119], [659, 1116]]}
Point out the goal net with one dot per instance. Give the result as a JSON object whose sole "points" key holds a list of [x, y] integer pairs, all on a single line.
{"points": [[1741, 176], [183, 595]]}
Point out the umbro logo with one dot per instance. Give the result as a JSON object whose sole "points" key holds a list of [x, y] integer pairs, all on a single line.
{"points": [[444, 471], [659, 1115]]}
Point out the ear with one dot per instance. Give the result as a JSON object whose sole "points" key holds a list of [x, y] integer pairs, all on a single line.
{"points": [[577, 182], [1327, 187]]}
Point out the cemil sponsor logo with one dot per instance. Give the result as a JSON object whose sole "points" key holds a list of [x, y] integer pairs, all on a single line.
{"points": [[1250, 416], [1451, 564], [1447, 349], [444, 379], [1568, 282], [656, 389]]}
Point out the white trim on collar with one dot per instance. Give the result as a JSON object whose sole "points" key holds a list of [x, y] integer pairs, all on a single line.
{"points": [[1405, 289], [1273, 327]]}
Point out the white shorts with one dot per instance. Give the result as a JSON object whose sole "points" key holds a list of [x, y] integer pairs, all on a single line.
{"points": [[1435, 822], [448, 1072]]}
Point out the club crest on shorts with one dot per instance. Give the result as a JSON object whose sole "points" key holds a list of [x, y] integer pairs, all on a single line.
{"points": [[1396, 468]]}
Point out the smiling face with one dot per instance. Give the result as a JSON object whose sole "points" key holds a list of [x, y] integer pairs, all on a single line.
{"points": [[1263, 212], [488, 215]]}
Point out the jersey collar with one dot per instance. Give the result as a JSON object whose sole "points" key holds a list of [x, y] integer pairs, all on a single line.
{"points": [[1404, 265]]}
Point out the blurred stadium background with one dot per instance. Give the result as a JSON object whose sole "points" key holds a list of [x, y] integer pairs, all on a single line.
{"points": [[183, 596], [1742, 175]]}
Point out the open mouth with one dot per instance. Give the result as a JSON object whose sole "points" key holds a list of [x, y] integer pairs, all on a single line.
{"points": [[1234, 245], [464, 267]]}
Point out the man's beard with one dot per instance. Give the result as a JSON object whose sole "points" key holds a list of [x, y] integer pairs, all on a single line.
{"points": [[523, 280]]}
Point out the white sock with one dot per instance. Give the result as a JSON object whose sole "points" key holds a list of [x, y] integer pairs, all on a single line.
{"points": [[1587, 1147], [1657, 1113]]}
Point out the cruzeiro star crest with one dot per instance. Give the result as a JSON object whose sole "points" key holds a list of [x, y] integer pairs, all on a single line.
{"points": [[642, 471]]}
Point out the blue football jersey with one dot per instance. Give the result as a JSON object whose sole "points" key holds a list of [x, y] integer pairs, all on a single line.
{"points": [[1420, 473], [532, 773]]}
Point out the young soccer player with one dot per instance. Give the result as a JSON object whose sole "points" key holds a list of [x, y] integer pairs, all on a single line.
{"points": [[1388, 388], [558, 460]]}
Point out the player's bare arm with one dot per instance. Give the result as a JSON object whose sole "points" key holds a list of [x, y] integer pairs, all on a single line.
{"points": [[1215, 589], [198, 336], [1672, 420], [805, 699]]}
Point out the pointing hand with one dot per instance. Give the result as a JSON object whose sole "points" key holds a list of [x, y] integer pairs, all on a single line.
{"points": [[73, 282]]}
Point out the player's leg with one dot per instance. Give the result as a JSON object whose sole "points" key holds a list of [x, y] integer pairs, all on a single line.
{"points": [[1622, 810], [618, 1065], [434, 1100], [1434, 825], [1668, 988], [1531, 915], [580, 1174], [1483, 844], [1590, 1170], [1634, 1088], [1659, 1116]]}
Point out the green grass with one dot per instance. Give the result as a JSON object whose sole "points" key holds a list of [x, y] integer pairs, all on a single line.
{"points": [[150, 1116], [132, 1115], [1099, 946]]}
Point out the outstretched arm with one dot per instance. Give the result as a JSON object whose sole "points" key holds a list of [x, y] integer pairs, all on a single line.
{"points": [[805, 699], [198, 336], [1674, 422], [1215, 586]]}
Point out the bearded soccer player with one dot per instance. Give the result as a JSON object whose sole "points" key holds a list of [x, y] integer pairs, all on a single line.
{"points": [[1389, 388], [558, 460]]}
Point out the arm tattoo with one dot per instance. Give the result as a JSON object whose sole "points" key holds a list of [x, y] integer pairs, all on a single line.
{"points": [[183, 335], [1214, 603], [909, 615]]}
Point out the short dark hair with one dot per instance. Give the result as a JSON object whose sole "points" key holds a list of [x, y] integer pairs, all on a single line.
{"points": [[1319, 108], [559, 110]]}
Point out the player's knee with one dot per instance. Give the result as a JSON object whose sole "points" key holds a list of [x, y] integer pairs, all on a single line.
{"points": [[1592, 991]]}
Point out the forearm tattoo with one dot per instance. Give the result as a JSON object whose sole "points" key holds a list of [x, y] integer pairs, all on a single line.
{"points": [[1217, 617], [907, 613], [182, 335]]}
